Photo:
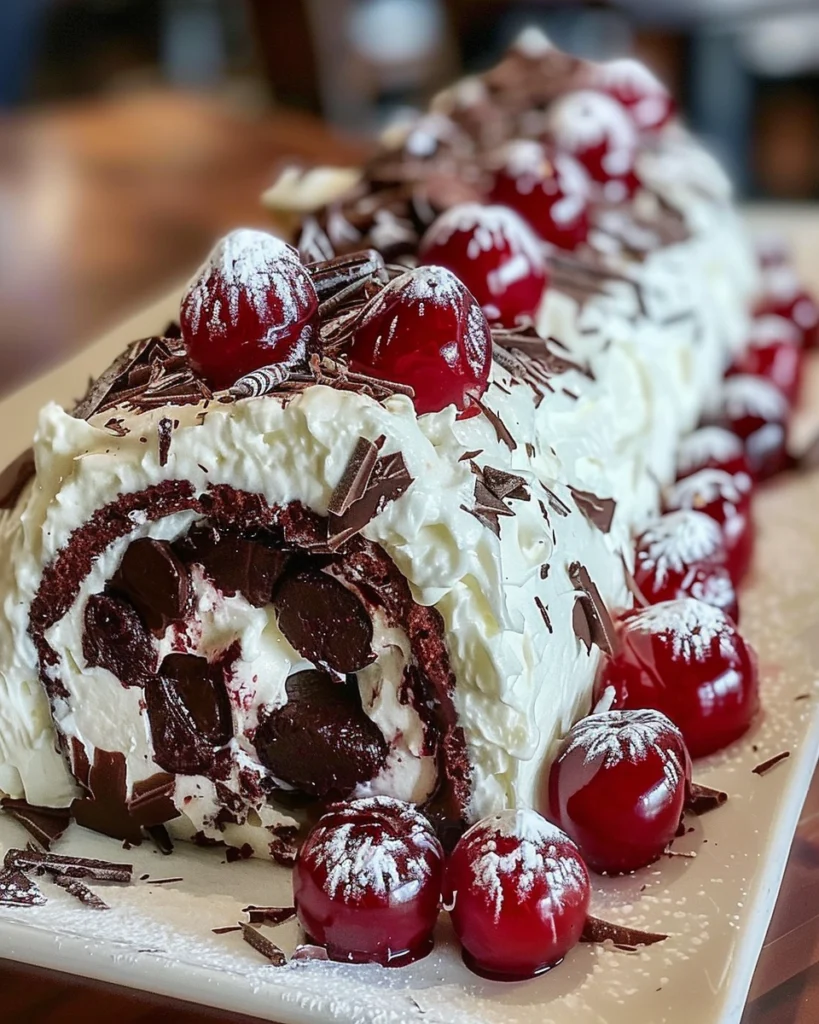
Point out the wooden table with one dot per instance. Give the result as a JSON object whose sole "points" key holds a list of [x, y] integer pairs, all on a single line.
{"points": [[102, 206]]}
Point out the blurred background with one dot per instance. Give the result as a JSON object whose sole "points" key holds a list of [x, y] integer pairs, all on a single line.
{"points": [[132, 132]]}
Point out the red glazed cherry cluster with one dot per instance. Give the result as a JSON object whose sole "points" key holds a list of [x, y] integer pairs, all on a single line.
{"points": [[644, 96], [495, 254], [370, 877], [682, 554], [686, 659], [618, 787]]}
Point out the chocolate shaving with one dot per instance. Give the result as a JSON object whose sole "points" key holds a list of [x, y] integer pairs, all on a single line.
{"points": [[162, 840], [544, 611], [702, 799], [151, 801], [72, 867], [165, 881], [263, 945], [45, 824], [556, 505], [772, 762], [227, 929], [269, 915], [544, 571], [469, 456], [356, 476], [164, 430], [14, 478], [336, 274], [505, 485], [591, 620], [598, 511], [80, 892], [388, 481], [632, 586], [17, 890], [802, 696], [597, 930], [499, 426], [117, 427]]}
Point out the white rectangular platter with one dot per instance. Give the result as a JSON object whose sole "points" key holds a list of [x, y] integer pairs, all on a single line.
{"points": [[714, 901]]}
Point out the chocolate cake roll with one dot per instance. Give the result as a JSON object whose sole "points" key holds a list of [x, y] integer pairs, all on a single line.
{"points": [[338, 536]]}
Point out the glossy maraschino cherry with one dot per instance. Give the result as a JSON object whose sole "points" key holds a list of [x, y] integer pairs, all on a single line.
{"points": [[711, 448], [426, 330], [785, 296], [618, 787], [367, 884], [686, 659], [756, 410], [682, 554], [496, 255], [597, 130], [726, 498], [251, 303], [519, 892], [549, 189], [644, 96], [774, 353]]}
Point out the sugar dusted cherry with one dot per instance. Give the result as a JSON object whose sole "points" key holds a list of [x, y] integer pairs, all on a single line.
{"points": [[251, 303], [726, 498], [686, 659], [644, 96], [496, 255], [549, 189], [520, 892], [597, 131], [757, 411], [618, 786], [682, 554], [367, 884], [774, 353], [425, 330], [785, 296], [711, 448]]}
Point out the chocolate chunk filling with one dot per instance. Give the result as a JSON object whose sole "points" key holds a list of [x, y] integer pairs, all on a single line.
{"points": [[236, 564], [324, 621], [321, 742], [155, 582], [189, 712], [115, 639]]}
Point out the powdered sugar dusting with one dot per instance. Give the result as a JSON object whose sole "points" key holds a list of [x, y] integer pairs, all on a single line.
{"points": [[585, 119], [253, 266], [691, 627], [769, 328], [748, 395], [385, 844], [707, 485], [706, 445], [616, 736], [676, 541], [538, 854], [491, 227]]}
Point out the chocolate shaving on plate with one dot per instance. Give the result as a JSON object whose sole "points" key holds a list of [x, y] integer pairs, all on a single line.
{"points": [[162, 840], [253, 937], [15, 477], [702, 799], [227, 929], [269, 915], [598, 511], [19, 891], [164, 881], [590, 618], [597, 930], [74, 867], [45, 824], [772, 762], [80, 892]]}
